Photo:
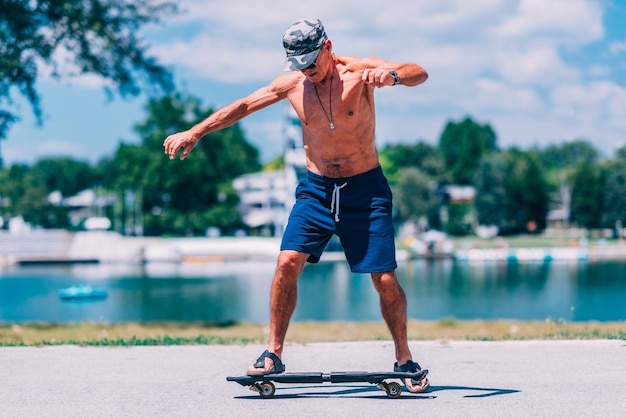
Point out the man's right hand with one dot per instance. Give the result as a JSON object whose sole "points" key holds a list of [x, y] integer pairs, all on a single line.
{"points": [[184, 141]]}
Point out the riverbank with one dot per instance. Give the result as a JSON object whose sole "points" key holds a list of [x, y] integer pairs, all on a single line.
{"points": [[172, 333], [56, 246]]}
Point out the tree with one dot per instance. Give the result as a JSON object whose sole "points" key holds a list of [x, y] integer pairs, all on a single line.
{"points": [[425, 157], [526, 192], [63, 174], [562, 163], [182, 196], [568, 154], [28, 198], [587, 195], [614, 199], [27, 189], [98, 37], [276, 164], [490, 192], [462, 145], [414, 196]]}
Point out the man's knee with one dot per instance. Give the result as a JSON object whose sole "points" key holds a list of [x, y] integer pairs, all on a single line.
{"points": [[385, 280], [291, 262]]}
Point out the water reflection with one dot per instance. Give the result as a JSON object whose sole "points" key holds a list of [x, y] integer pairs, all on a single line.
{"points": [[573, 291]]}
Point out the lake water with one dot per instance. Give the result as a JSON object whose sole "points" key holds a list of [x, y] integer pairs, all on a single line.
{"points": [[571, 291]]}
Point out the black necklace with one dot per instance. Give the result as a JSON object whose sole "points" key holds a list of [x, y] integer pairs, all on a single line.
{"points": [[330, 101]]}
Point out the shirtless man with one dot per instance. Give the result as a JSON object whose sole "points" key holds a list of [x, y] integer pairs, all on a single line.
{"points": [[345, 192]]}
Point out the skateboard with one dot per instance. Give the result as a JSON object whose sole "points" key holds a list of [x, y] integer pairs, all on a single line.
{"points": [[264, 384]]}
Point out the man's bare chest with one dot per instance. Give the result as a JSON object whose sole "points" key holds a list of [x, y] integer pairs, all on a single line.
{"points": [[341, 104]]}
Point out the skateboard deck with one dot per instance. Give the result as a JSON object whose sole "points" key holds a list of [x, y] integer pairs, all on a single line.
{"points": [[264, 384]]}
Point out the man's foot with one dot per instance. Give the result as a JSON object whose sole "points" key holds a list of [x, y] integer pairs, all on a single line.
{"points": [[267, 363], [412, 386]]}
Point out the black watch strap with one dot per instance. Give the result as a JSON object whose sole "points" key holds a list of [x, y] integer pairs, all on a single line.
{"points": [[396, 77]]}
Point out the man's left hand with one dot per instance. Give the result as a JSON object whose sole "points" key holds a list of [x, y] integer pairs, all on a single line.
{"points": [[378, 77]]}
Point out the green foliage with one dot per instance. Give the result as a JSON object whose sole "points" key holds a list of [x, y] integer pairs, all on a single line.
{"points": [[98, 37], [568, 154], [490, 191], [448, 322], [63, 174], [587, 195], [27, 197], [182, 197], [276, 164], [163, 340], [460, 219], [511, 191], [514, 187], [177, 197], [413, 171], [526, 193], [414, 195], [421, 155], [463, 145], [562, 165], [26, 190], [614, 202]]}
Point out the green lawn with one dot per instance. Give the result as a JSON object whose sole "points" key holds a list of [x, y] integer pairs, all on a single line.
{"points": [[129, 334]]}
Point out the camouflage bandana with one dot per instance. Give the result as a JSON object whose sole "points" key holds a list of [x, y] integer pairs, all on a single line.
{"points": [[303, 41]]}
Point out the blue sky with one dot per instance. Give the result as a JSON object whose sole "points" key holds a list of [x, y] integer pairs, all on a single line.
{"points": [[539, 72]]}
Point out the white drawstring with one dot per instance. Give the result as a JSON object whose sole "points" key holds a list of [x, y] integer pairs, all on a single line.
{"points": [[334, 204]]}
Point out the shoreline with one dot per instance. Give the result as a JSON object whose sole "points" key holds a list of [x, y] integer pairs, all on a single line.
{"points": [[195, 333], [63, 247]]}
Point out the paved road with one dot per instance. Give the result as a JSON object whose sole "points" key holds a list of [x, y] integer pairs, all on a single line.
{"points": [[469, 379]]}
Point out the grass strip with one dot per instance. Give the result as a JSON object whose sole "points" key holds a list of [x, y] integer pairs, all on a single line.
{"points": [[193, 333]]}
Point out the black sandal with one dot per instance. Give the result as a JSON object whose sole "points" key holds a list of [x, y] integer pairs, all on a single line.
{"points": [[408, 367], [278, 367]]}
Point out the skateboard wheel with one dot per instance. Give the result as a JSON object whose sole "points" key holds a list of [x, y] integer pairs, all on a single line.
{"points": [[393, 389], [266, 389]]}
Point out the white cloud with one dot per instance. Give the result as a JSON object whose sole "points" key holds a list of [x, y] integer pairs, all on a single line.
{"points": [[617, 47], [584, 98], [538, 66], [519, 65], [225, 60], [68, 72], [564, 21], [497, 97], [453, 34], [12, 151]]}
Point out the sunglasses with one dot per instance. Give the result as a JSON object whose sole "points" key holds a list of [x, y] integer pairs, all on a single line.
{"points": [[314, 64]]}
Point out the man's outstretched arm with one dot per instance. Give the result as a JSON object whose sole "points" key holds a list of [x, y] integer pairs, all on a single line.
{"points": [[227, 116], [380, 73]]}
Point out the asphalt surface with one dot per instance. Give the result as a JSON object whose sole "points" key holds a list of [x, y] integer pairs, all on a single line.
{"points": [[469, 379]]}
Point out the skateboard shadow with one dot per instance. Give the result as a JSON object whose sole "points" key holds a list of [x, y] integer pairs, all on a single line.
{"points": [[487, 392], [371, 392], [336, 390]]}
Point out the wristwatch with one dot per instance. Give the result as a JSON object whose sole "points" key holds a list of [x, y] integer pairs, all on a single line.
{"points": [[396, 77]]}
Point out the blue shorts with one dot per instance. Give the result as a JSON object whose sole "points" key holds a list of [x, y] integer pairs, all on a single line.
{"points": [[357, 209]]}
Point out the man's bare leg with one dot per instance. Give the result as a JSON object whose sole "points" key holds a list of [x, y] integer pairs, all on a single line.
{"points": [[394, 310], [283, 298]]}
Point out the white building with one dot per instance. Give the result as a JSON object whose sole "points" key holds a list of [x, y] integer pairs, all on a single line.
{"points": [[267, 197]]}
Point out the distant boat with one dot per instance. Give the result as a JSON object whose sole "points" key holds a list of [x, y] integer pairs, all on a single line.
{"points": [[82, 291]]}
